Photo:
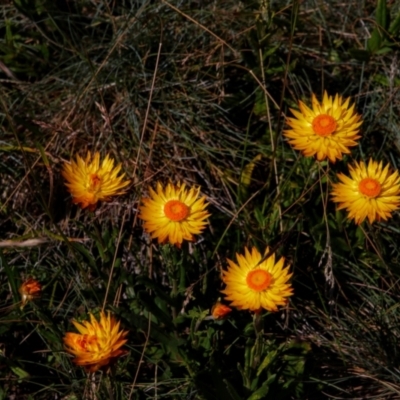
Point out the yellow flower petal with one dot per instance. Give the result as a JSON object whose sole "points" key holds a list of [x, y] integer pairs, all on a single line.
{"points": [[174, 214], [29, 290], [98, 344], [370, 192], [325, 131], [252, 284], [88, 182]]}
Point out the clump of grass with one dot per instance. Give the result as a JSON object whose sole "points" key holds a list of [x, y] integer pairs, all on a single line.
{"points": [[196, 94]]}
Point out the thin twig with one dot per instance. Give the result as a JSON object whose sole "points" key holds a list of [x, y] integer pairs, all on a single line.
{"points": [[114, 259], [148, 108], [201, 26], [260, 56], [145, 125], [141, 357]]}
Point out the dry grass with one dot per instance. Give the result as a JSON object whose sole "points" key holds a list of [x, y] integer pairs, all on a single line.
{"points": [[193, 92]]}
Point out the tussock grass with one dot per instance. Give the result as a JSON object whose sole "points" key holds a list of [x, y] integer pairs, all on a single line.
{"points": [[194, 92]]}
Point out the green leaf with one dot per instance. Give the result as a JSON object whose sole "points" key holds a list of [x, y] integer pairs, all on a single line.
{"points": [[43, 154], [374, 42], [382, 13], [270, 358], [148, 302], [360, 236], [3, 394], [383, 50], [159, 290], [395, 26], [270, 51], [245, 177], [232, 391], [87, 255], [360, 55], [20, 372], [168, 340], [260, 393], [11, 275], [9, 35]]}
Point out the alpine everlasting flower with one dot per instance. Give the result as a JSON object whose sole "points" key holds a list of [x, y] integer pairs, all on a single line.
{"points": [[220, 311], [174, 214], [89, 182], [98, 343], [29, 290], [254, 283], [325, 131], [371, 191]]}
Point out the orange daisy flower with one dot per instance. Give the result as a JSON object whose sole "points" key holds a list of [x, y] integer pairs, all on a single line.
{"points": [[89, 182], [98, 343], [325, 131], [254, 283], [371, 191], [174, 213], [29, 290]]}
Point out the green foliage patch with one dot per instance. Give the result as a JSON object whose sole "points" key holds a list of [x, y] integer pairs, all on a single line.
{"points": [[195, 92]]}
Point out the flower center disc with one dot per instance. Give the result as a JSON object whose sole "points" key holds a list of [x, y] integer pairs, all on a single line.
{"points": [[324, 125], [258, 280], [31, 289], [85, 341], [175, 210], [95, 182], [370, 187]]}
